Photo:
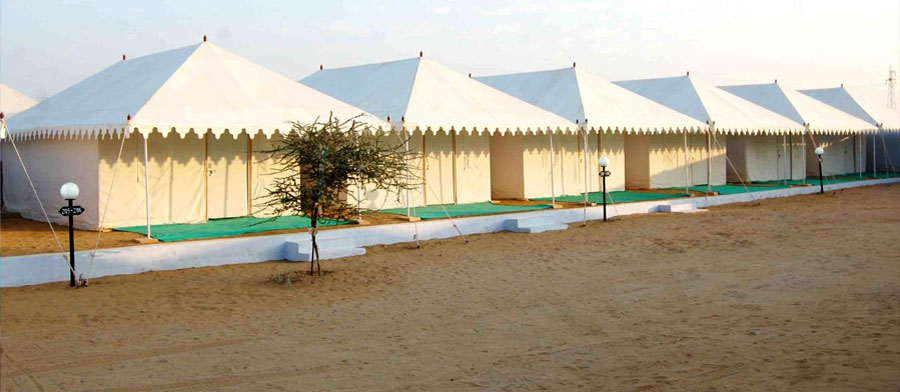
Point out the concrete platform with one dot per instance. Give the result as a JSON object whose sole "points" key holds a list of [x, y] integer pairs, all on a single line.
{"points": [[52, 267]]}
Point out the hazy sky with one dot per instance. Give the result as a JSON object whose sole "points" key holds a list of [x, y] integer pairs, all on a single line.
{"points": [[46, 46]]}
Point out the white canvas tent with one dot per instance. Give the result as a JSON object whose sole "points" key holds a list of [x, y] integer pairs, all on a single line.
{"points": [[199, 111], [446, 115], [774, 157], [706, 158], [608, 112], [870, 104], [12, 102]]}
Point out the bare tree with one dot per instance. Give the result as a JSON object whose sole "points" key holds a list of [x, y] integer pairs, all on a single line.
{"points": [[318, 162]]}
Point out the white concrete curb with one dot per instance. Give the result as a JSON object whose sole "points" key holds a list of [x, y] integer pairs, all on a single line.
{"points": [[51, 267]]}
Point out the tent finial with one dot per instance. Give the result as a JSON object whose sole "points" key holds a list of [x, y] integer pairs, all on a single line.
{"points": [[204, 37], [128, 117], [470, 75], [389, 118], [688, 73], [2, 116], [321, 67], [576, 121], [123, 57], [403, 119], [420, 53], [842, 85], [776, 80]]}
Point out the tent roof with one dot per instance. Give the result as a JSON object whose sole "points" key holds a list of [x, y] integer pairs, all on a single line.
{"points": [[869, 103], [12, 101], [704, 102], [195, 88], [799, 107], [576, 94], [419, 93]]}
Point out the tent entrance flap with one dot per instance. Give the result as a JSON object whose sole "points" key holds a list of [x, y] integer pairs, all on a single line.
{"points": [[226, 176]]}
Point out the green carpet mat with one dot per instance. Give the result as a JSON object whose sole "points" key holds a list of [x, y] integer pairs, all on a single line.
{"points": [[215, 228], [615, 197], [835, 179], [454, 210], [734, 189]]}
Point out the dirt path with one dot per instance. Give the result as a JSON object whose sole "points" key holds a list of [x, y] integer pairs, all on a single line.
{"points": [[797, 294]]}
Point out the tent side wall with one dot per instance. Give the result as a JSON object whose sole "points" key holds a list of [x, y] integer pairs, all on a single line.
{"points": [[759, 158], [473, 173], [839, 155], [51, 163], [376, 199], [797, 156], [885, 159], [567, 165], [177, 171]]}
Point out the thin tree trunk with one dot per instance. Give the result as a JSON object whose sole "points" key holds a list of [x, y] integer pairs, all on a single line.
{"points": [[314, 255]]}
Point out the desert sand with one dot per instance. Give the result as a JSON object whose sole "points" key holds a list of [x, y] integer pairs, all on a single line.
{"points": [[794, 294]]}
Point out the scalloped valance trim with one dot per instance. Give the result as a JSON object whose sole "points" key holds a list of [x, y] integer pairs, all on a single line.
{"points": [[115, 131]]}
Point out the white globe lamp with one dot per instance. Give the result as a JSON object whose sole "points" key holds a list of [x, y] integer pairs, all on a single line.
{"points": [[69, 191]]}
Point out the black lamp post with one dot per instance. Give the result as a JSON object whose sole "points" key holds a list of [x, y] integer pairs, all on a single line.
{"points": [[819, 152], [604, 162], [69, 191]]}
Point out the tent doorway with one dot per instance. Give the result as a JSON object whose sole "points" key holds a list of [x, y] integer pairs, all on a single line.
{"points": [[226, 176]]}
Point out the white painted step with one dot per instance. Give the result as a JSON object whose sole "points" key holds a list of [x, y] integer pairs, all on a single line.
{"points": [[536, 224], [329, 248], [679, 208]]}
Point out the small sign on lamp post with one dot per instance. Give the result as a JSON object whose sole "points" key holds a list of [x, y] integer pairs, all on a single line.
{"points": [[69, 191]]}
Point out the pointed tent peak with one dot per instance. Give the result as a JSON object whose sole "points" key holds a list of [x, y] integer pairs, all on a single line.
{"points": [[430, 95], [798, 107], [197, 87], [579, 94], [704, 102], [867, 102], [840, 98], [13, 101]]}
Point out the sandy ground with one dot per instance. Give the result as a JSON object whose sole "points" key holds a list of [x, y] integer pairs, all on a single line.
{"points": [[797, 294]]}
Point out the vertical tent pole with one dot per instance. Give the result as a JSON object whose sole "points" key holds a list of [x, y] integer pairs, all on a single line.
{"points": [[147, 185], [874, 145], [803, 146], [408, 209], [784, 157], [709, 131], [453, 162], [859, 156], [552, 180], [586, 185], [687, 188]]}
